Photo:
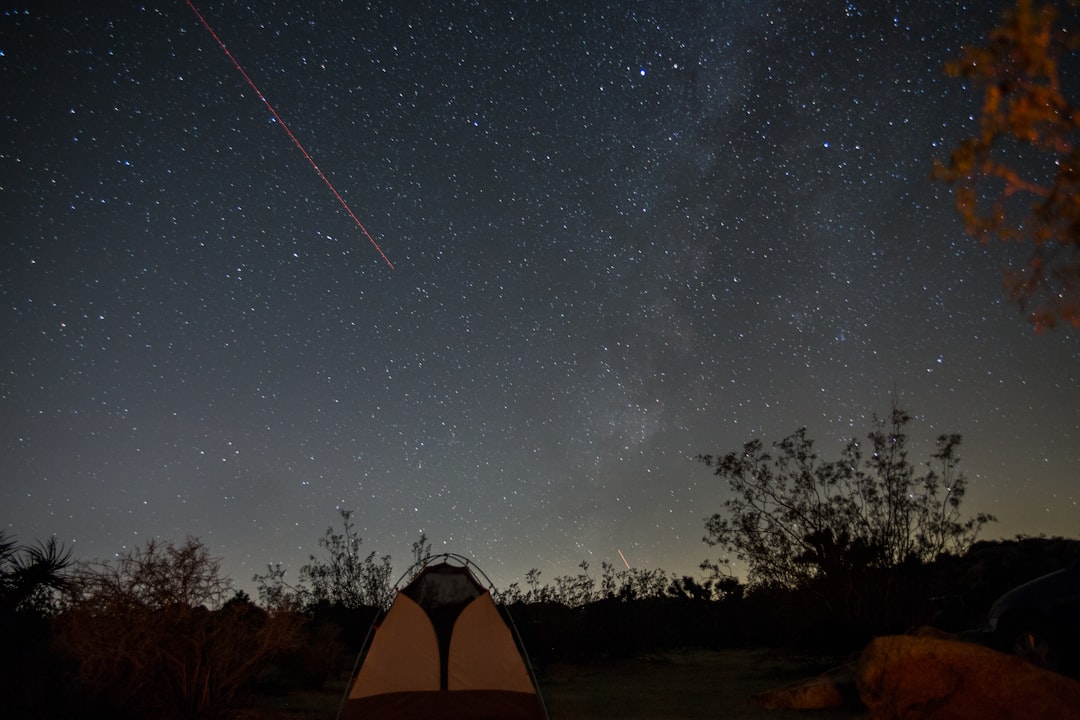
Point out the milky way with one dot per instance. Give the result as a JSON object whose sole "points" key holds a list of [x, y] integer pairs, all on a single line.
{"points": [[622, 234]]}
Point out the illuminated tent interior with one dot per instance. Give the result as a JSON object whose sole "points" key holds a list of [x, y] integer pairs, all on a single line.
{"points": [[444, 650]]}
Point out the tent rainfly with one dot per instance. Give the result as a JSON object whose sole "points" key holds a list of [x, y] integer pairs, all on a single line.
{"points": [[443, 651]]}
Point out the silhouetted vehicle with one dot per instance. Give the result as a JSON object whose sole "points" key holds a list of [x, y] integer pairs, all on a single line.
{"points": [[1040, 620]]}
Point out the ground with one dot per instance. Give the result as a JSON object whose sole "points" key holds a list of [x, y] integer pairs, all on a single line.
{"points": [[681, 684]]}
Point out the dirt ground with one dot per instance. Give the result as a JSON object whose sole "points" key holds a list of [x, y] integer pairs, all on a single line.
{"points": [[684, 685], [681, 685]]}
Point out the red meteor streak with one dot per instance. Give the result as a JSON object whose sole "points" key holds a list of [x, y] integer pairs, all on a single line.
{"points": [[292, 137]]}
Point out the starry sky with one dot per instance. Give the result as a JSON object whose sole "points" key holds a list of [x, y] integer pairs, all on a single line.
{"points": [[623, 234]]}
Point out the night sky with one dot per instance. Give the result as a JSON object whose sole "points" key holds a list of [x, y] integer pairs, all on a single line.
{"points": [[623, 234]]}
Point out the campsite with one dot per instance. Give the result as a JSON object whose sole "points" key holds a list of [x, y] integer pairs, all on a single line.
{"points": [[685, 684], [159, 635], [737, 340], [401, 675]]}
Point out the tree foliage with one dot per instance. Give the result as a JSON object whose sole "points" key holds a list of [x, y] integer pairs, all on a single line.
{"points": [[421, 549], [157, 576], [275, 593], [792, 516], [628, 585], [1018, 178], [31, 576], [32, 580], [153, 632], [345, 576]]}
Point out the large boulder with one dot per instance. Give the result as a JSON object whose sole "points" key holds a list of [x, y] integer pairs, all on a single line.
{"points": [[934, 678]]}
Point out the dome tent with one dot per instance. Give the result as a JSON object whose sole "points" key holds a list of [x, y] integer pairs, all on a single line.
{"points": [[445, 650]]}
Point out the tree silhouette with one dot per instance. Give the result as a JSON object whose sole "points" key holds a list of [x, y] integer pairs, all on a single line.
{"points": [[421, 549], [154, 633], [1018, 179], [32, 575], [32, 580], [344, 577], [792, 517]]}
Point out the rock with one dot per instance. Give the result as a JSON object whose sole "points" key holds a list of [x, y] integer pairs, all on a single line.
{"points": [[825, 691], [931, 631], [932, 678]]}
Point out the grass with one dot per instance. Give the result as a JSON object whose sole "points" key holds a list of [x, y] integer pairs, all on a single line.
{"points": [[298, 705], [681, 685]]}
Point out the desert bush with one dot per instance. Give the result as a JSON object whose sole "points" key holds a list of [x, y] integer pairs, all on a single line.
{"points": [[153, 634], [851, 534]]}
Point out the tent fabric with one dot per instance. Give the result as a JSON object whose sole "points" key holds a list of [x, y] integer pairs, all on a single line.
{"points": [[443, 650], [483, 655], [406, 626]]}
